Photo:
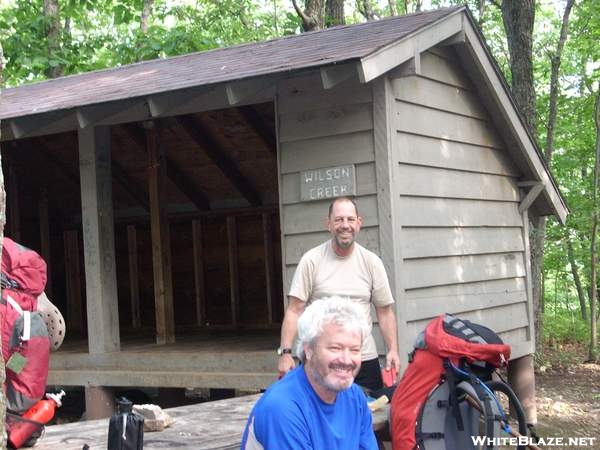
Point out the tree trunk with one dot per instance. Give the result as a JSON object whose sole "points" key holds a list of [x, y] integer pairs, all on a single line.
{"points": [[335, 13], [2, 221], [393, 7], [366, 9], [518, 17], [594, 247], [576, 279], [313, 15], [146, 11], [51, 14], [555, 61]]}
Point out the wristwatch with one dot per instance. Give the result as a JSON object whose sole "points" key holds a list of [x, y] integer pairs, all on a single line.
{"points": [[283, 351]]}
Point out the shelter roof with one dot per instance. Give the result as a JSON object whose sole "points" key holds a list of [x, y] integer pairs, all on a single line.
{"points": [[291, 53]]}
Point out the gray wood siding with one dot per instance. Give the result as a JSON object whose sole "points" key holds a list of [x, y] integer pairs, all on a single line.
{"points": [[320, 128], [461, 234]]}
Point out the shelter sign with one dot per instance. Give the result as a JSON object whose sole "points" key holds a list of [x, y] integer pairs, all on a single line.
{"points": [[329, 182]]}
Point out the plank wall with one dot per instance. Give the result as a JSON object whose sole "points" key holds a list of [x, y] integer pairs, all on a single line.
{"points": [[461, 236], [321, 128]]}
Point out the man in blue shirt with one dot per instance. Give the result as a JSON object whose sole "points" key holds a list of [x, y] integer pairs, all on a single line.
{"points": [[316, 406]]}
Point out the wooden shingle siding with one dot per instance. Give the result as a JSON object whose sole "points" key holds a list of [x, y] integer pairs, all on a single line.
{"points": [[320, 128], [424, 303], [426, 272], [462, 233], [435, 182], [436, 152], [420, 242]]}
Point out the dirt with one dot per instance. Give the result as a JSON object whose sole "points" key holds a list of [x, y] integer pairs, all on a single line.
{"points": [[568, 397]]}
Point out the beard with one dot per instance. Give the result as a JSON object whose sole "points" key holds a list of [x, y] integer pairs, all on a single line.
{"points": [[328, 378], [345, 244]]}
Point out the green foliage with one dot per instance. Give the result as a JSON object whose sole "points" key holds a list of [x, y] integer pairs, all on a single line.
{"points": [[104, 33]]}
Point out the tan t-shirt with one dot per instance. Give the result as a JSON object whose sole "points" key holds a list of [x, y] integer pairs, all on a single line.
{"points": [[360, 277]]}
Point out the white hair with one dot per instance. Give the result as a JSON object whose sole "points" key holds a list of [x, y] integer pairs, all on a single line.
{"points": [[333, 310]]}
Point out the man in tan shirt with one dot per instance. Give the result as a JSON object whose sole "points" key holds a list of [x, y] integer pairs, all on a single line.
{"points": [[342, 267]]}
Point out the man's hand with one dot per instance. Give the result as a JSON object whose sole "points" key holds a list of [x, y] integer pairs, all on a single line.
{"points": [[392, 359], [285, 364]]}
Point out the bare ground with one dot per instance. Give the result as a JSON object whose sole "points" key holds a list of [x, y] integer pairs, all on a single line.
{"points": [[568, 396]]}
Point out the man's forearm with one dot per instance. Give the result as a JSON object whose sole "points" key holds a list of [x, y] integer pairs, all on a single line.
{"points": [[387, 325]]}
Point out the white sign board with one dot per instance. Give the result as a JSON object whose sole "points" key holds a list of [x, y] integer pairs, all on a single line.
{"points": [[329, 182]]}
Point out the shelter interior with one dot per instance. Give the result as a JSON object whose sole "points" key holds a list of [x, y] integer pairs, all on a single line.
{"points": [[219, 194]]}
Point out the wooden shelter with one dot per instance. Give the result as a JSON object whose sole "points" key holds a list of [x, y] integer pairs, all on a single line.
{"points": [[174, 198]]}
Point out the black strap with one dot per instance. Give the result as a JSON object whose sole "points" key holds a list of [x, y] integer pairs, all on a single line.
{"points": [[451, 379], [490, 417]]}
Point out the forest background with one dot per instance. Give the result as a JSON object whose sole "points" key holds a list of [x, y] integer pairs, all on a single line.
{"points": [[559, 96]]}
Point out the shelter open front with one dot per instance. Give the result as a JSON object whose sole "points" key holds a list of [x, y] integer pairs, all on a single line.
{"points": [[196, 221]]}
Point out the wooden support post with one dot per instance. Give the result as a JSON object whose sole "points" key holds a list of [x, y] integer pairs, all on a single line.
{"points": [[199, 283], [234, 288], [161, 243], [73, 282], [269, 266], [45, 237], [99, 402], [521, 377], [98, 240], [134, 280], [14, 213]]}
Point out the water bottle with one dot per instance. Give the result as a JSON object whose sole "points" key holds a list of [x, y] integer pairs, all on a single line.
{"points": [[38, 415], [125, 428]]}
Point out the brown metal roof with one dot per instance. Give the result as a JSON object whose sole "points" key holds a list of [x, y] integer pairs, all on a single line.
{"points": [[319, 48]]}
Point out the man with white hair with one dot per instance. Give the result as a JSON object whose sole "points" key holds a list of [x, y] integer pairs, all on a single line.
{"points": [[317, 406]]}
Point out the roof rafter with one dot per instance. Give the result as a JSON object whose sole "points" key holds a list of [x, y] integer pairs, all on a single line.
{"points": [[174, 173], [257, 123], [198, 132]]}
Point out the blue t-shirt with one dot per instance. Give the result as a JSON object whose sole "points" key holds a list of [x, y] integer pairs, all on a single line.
{"points": [[290, 415]]}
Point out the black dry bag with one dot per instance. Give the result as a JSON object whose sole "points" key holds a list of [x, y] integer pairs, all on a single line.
{"points": [[125, 429]]}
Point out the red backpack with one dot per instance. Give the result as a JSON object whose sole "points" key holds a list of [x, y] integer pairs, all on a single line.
{"points": [[423, 410], [25, 341]]}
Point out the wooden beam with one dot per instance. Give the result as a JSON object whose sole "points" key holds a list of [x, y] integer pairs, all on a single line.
{"points": [[536, 189], [243, 90], [187, 101], [181, 181], [331, 76], [134, 278], [130, 186], [259, 126], [95, 114], [42, 124], [269, 263], [381, 61], [45, 237], [199, 282], [73, 282], [14, 211], [161, 242], [98, 238], [234, 279], [196, 130]]}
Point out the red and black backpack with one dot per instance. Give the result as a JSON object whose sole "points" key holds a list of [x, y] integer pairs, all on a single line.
{"points": [[444, 395], [25, 341]]}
